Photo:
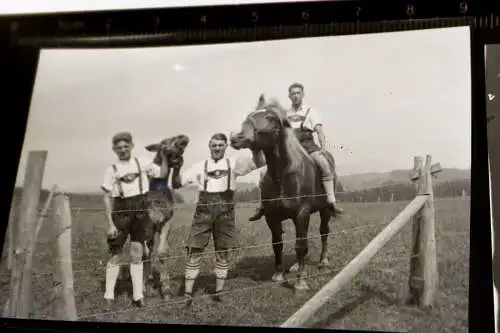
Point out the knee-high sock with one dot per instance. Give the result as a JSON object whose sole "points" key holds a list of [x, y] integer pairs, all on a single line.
{"points": [[221, 269], [190, 274], [136, 274], [330, 193], [112, 271]]}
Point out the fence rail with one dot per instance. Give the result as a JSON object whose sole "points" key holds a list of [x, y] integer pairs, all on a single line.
{"points": [[423, 260]]}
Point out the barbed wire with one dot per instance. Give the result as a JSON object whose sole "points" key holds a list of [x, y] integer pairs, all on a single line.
{"points": [[267, 244], [206, 295], [239, 204], [210, 254], [376, 223]]}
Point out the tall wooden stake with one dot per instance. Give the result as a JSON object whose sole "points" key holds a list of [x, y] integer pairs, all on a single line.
{"points": [[20, 297], [65, 299], [423, 261]]}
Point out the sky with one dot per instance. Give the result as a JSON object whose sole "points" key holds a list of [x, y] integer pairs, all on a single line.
{"points": [[385, 97]]}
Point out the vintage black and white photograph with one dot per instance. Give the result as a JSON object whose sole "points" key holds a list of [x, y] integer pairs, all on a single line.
{"points": [[492, 66], [310, 182]]}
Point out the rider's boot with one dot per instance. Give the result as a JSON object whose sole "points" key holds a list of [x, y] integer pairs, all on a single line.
{"points": [[259, 212]]}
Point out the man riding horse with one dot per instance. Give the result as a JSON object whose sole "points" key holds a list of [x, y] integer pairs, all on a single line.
{"points": [[305, 121]]}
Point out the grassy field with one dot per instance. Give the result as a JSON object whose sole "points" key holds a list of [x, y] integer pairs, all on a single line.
{"points": [[374, 300]]}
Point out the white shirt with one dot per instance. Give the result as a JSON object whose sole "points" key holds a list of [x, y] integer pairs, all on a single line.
{"points": [[217, 178], [296, 117], [111, 178]]}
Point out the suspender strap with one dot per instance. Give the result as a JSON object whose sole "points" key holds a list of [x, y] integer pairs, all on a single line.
{"points": [[140, 174], [119, 181], [205, 180], [305, 118], [120, 188], [228, 174]]}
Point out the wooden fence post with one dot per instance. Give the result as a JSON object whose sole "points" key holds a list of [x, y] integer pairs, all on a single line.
{"points": [[20, 297], [65, 300], [424, 278], [11, 245], [11, 232]]}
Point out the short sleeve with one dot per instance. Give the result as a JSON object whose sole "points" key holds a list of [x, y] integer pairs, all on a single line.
{"points": [[315, 118], [109, 179], [191, 174], [243, 165], [151, 169]]}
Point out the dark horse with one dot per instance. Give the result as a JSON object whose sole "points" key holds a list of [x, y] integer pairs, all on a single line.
{"points": [[161, 210], [291, 188]]}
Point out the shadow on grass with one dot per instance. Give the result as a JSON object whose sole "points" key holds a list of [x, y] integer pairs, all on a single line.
{"points": [[259, 269], [368, 293]]}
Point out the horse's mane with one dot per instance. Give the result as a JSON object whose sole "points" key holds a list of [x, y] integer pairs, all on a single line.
{"points": [[295, 152]]}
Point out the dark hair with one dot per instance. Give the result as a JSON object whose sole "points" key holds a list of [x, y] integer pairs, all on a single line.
{"points": [[122, 136], [296, 85], [219, 136]]}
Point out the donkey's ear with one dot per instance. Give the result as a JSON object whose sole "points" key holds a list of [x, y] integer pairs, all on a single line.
{"points": [[261, 102], [155, 147]]}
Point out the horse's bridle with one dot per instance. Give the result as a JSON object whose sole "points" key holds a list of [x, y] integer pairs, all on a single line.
{"points": [[253, 122]]}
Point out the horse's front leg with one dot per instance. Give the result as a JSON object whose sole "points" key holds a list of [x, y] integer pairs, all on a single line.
{"points": [[324, 230], [148, 255], [163, 254], [301, 248], [277, 240]]}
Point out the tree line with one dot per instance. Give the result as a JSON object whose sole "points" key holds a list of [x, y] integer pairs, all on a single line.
{"points": [[385, 193]]}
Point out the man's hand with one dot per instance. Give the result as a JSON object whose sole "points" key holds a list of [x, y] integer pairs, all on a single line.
{"points": [[162, 151], [112, 232]]}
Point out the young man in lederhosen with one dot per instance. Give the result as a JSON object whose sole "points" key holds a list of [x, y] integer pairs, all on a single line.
{"points": [[214, 215], [305, 121], [125, 186]]}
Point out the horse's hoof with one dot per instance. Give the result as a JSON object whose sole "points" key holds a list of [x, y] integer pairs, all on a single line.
{"points": [[278, 277], [165, 293], [294, 268], [188, 300], [301, 285], [323, 263], [216, 297]]}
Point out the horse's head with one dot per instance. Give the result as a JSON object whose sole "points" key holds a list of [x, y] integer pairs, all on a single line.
{"points": [[262, 127], [172, 148]]}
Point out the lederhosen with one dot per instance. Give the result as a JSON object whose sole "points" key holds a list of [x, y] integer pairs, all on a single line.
{"points": [[214, 214], [306, 138], [130, 214], [304, 135]]}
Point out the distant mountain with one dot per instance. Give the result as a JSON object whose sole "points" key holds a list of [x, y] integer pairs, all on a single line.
{"points": [[357, 182]]}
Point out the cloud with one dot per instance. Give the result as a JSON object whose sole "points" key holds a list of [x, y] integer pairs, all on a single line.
{"points": [[177, 67]]}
